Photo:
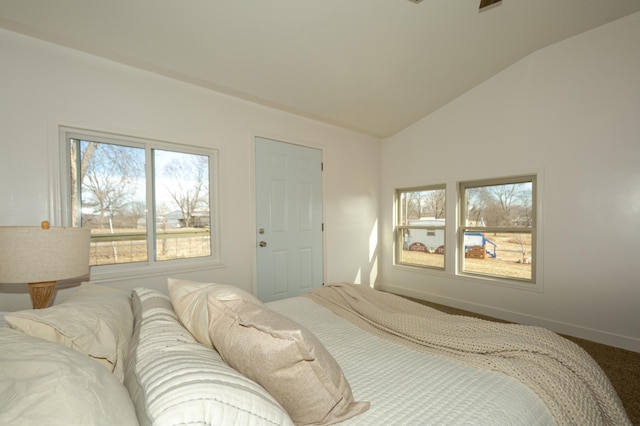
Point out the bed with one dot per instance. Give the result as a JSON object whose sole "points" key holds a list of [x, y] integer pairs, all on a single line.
{"points": [[212, 354]]}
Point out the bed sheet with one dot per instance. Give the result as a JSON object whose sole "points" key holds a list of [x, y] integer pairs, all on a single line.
{"points": [[405, 386]]}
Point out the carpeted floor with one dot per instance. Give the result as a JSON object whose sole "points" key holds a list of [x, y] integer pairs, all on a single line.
{"points": [[622, 366]]}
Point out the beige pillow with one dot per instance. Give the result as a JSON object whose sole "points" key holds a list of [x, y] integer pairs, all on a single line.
{"points": [[95, 320], [285, 358], [189, 300]]}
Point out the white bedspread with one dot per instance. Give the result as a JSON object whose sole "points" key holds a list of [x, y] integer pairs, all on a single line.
{"points": [[406, 387]]}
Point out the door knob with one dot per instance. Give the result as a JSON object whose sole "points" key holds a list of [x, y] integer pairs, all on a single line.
{"points": [[263, 243]]}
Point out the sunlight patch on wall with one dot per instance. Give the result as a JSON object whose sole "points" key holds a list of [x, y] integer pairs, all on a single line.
{"points": [[358, 277], [373, 257], [373, 241], [373, 275]]}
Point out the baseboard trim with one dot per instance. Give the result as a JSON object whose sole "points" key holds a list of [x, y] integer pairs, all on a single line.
{"points": [[599, 336]]}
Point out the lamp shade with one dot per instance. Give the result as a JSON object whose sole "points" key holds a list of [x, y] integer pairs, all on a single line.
{"points": [[31, 254]]}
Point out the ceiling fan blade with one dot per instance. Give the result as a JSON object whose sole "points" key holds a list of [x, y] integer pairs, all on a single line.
{"points": [[485, 3]]}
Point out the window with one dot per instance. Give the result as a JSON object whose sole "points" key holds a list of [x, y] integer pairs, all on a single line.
{"points": [[420, 226], [497, 228], [145, 201]]}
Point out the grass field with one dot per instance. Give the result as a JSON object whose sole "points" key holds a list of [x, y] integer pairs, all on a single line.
{"points": [[129, 246], [508, 262]]}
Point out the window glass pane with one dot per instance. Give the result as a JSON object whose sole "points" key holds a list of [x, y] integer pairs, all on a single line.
{"points": [[421, 222], [181, 207], [506, 255], [108, 196], [419, 254], [498, 221], [421, 204], [507, 205]]}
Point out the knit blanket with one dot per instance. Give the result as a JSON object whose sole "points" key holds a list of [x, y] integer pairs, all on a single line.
{"points": [[561, 373]]}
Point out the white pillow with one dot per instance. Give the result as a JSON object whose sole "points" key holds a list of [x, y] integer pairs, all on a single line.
{"points": [[189, 299], [174, 380], [46, 383], [95, 320]]}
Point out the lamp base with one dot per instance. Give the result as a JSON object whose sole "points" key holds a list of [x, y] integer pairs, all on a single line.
{"points": [[41, 293]]}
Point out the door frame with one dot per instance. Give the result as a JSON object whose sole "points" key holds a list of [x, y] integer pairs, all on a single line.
{"points": [[253, 192]]}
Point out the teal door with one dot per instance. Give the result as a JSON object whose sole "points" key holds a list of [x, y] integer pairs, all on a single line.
{"points": [[288, 218]]}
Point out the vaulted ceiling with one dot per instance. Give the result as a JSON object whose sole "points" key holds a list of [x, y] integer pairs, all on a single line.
{"points": [[374, 66]]}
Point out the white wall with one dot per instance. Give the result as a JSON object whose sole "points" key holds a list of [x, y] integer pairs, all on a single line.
{"points": [[43, 86], [571, 112]]}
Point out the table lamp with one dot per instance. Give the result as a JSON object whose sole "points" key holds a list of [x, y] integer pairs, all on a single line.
{"points": [[41, 256]]}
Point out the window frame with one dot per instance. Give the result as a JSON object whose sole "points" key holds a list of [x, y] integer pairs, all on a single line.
{"points": [[151, 265], [454, 238], [462, 228], [399, 228]]}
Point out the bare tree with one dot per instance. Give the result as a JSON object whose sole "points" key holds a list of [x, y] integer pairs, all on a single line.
{"points": [[107, 176], [506, 196], [79, 161], [188, 183], [412, 206], [478, 204], [418, 204], [513, 204], [520, 239], [435, 200]]}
